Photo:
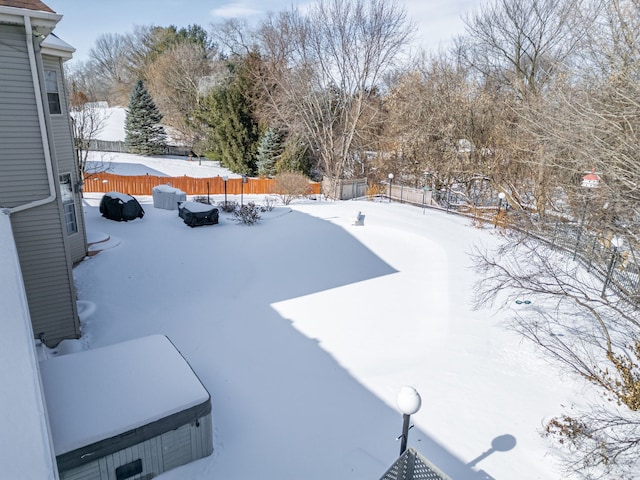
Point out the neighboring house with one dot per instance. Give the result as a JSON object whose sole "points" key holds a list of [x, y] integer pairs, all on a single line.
{"points": [[39, 179]]}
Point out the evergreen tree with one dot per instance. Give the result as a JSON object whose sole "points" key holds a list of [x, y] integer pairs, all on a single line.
{"points": [[269, 150], [230, 126], [295, 157], [144, 134]]}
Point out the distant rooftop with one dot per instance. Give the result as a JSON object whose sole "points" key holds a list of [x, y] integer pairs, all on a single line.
{"points": [[26, 4]]}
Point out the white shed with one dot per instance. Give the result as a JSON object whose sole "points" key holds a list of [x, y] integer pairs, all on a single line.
{"points": [[130, 410]]}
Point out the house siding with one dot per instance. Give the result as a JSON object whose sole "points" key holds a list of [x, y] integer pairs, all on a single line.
{"points": [[65, 158], [158, 454], [40, 235], [24, 177]]}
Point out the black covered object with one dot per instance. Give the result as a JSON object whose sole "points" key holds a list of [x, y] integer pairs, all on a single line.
{"points": [[196, 214], [120, 207]]}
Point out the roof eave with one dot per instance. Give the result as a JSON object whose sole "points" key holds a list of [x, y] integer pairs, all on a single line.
{"points": [[56, 47], [42, 23]]}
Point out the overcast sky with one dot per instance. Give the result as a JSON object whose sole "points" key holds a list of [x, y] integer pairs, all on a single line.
{"points": [[437, 21]]}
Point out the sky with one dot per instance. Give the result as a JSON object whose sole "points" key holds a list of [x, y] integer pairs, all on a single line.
{"points": [[436, 21]]}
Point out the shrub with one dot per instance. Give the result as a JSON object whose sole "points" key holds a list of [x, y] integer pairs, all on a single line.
{"points": [[247, 214], [290, 185], [269, 204], [229, 206]]}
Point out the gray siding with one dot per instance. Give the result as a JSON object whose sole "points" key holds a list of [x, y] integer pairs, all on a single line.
{"points": [[62, 138], [46, 272], [159, 454], [39, 232], [24, 177]]}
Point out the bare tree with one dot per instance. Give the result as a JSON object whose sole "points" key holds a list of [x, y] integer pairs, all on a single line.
{"points": [[592, 335], [110, 61], [174, 79], [88, 118], [321, 68], [521, 43]]}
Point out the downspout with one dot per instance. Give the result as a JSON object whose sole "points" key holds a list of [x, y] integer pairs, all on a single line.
{"points": [[43, 127]]}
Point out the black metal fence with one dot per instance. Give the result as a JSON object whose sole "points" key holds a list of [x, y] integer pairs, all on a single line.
{"points": [[612, 257]]}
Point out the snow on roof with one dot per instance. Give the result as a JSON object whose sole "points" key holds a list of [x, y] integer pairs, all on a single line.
{"points": [[97, 394], [26, 450], [55, 46]]}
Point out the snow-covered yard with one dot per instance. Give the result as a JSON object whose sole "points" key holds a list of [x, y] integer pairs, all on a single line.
{"points": [[304, 328]]}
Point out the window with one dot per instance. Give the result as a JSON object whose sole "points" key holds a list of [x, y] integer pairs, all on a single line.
{"points": [[68, 203], [53, 95]]}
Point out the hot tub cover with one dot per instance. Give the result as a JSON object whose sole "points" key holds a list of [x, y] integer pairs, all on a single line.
{"points": [[120, 207], [102, 393]]}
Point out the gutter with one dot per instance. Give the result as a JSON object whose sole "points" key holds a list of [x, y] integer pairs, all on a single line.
{"points": [[46, 147]]}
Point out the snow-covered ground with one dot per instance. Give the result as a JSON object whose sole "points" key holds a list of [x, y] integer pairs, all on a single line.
{"points": [[304, 328]]}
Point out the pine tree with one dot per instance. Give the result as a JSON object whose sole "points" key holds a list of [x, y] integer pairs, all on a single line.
{"points": [[269, 150], [232, 133], [144, 134]]}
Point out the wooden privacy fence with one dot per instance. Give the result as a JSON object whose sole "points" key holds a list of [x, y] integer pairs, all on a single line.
{"points": [[143, 185]]}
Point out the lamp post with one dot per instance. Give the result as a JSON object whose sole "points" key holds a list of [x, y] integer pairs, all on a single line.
{"points": [[589, 181], [390, 184], [501, 197], [425, 188], [244, 180], [616, 243], [444, 192], [225, 178], [409, 402]]}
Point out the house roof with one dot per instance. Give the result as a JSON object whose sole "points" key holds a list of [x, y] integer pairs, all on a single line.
{"points": [[27, 5], [27, 451], [40, 18]]}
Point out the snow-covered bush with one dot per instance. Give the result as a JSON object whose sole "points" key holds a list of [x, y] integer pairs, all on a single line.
{"points": [[269, 204], [247, 214]]}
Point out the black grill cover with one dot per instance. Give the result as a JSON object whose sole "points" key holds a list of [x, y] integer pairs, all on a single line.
{"points": [[196, 214], [120, 207]]}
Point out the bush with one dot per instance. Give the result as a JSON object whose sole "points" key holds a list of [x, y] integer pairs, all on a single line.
{"points": [[247, 214], [290, 185], [229, 206], [269, 204], [202, 199]]}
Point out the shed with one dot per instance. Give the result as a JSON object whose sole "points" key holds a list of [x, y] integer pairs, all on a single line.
{"points": [[167, 197], [133, 409], [120, 206]]}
